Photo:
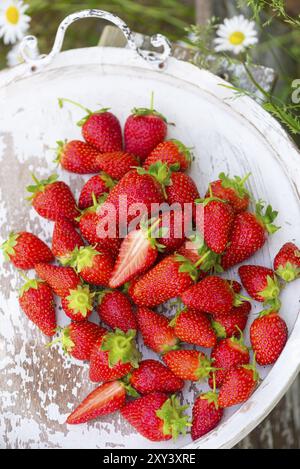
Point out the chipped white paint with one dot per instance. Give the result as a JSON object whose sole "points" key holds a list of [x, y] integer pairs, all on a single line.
{"points": [[228, 134]]}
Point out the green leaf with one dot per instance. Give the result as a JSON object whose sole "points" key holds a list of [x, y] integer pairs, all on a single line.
{"points": [[175, 421]]}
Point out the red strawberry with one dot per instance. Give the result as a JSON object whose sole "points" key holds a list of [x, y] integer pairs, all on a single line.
{"points": [[175, 224], [97, 185], [236, 286], [287, 262], [218, 217], [168, 279], [100, 129], [156, 332], [172, 152], [36, 300], [78, 305], [153, 376], [78, 339], [144, 130], [25, 250], [188, 364], [156, 417], [213, 295], [232, 190], [198, 253], [206, 414], [53, 199], [261, 284], [227, 354], [181, 190], [116, 164], [268, 335], [137, 253], [60, 279], [194, 328], [116, 311], [249, 234], [94, 266], [238, 385], [113, 356], [65, 239], [77, 157], [228, 325], [105, 399], [89, 223]]}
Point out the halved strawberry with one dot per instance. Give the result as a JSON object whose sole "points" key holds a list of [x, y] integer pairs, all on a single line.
{"points": [[104, 400]]}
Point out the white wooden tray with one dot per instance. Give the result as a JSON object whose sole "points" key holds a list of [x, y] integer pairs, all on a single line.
{"points": [[39, 386]]}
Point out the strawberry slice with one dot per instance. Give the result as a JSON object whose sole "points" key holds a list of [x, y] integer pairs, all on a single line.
{"points": [[104, 400]]}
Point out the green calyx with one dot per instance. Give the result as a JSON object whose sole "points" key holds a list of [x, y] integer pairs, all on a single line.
{"points": [[96, 205], [186, 266], [208, 260], [143, 111], [239, 341], [252, 367], [271, 292], [108, 181], [80, 301], [288, 272], [40, 185], [127, 386], [173, 321], [204, 368], [266, 218], [59, 150], [30, 284], [152, 231], [9, 245], [211, 397], [161, 172], [89, 113], [64, 339], [175, 421], [219, 330], [121, 347], [240, 299], [82, 257], [236, 183], [186, 151]]}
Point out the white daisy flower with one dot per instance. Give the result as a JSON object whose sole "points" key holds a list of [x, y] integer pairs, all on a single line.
{"points": [[14, 56], [235, 35], [13, 21]]}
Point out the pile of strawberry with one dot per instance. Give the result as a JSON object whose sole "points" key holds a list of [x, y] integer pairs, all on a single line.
{"points": [[124, 278]]}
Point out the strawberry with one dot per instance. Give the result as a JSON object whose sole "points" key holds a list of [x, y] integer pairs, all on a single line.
{"points": [[78, 305], [261, 284], [97, 185], [60, 279], [227, 354], [105, 399], [156, 417], [175, 224], [213, 295], [168, 279], [206, 414], [268, 335], [232, 191], [89, 227], [94, 266], [65, 239], [36, 300], [172, 152], [200, 255], [238, 385], [53, 199], [228, 325], [25, 250], [194, 328], [156, 332], [77, 157], [188, 364], [144, 130], [181, 190], [113, 356], [101, 129], [137, 253], [153, 376], [249, 234], [116, 310], [287, 262], [218, 218], [116, 164], [78, 339]]}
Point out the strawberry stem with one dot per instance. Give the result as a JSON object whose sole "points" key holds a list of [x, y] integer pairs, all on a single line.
{"points": [[121, 347], [175, 421]]}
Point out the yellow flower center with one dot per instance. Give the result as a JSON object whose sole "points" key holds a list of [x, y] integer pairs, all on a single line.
{"points": [[12, 15], [237, 38]]}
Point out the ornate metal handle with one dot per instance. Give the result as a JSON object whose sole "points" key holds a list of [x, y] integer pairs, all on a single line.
{"points": [[156, 59]]}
